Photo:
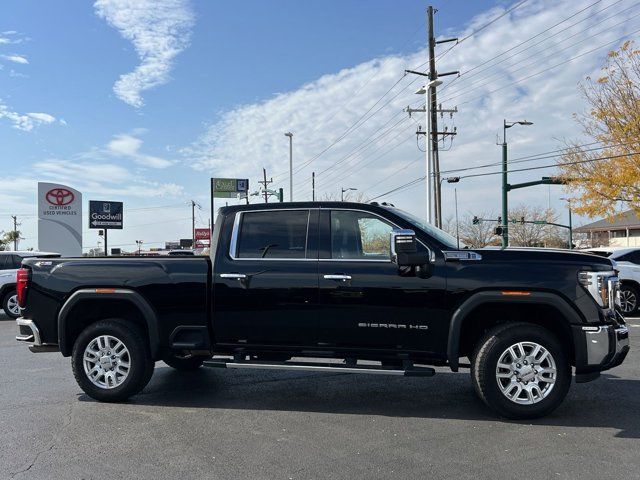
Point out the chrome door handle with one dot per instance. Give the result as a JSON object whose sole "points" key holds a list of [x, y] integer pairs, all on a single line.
{"points": [[342, 277], [235, 276]]}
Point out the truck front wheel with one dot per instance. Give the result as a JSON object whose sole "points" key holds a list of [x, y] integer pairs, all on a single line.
{"points": [[111, 360], [521, 371]]}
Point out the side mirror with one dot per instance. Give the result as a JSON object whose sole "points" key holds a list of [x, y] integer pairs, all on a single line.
{"points": [[404, 249]]}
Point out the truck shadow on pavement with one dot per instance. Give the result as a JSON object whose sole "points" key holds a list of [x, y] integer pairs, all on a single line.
{"points": [[610, 402]]}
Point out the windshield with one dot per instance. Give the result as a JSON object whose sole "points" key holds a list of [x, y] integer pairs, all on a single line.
{"points": [[440, 235]]}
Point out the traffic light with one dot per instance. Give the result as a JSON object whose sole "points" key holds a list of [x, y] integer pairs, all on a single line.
{"points": [[497, 231], [476, 220], [500, 220], [521, 220]]}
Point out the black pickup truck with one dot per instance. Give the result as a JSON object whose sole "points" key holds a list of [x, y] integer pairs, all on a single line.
{"points": [[332, 286]]}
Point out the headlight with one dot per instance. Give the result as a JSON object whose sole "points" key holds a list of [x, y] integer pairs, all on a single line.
{"points": [[604, 287]]}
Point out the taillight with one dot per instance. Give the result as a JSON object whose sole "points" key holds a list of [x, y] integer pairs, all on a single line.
{"points": [[22, 284]]}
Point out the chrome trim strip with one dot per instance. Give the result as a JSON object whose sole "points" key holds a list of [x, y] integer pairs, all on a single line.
{"points": [[236, 276], [338, 277], [35, 333], [461, 255], [233, 245]]}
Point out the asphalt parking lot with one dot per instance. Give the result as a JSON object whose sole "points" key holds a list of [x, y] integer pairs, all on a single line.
{"points": [[280, 425]]}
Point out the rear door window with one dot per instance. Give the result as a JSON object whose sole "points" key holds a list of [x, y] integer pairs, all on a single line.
{"points": [[273, 234], [6, 262], [16, 260]]}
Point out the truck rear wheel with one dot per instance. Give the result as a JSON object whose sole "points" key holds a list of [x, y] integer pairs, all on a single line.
{"points": [[10, 304], [520, 371], [111, 360], [184, 363]]}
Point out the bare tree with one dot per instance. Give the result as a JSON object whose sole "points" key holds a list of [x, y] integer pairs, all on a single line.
{"points": [[477, 235], [535, 234], [349, 196]]}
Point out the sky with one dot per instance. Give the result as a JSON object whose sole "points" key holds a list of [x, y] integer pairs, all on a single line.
{"points": [[142, 101]]}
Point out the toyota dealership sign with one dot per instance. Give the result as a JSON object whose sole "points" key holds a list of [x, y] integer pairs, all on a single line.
{"points": [[59, 219]]}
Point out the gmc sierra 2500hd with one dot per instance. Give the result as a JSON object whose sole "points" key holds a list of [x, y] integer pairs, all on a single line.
{"points": [[367, 284]]}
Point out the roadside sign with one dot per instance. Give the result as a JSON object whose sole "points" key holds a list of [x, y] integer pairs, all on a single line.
{"points": [[202, 234], [171, 245], [59, 219], [107, 215], [229, 187], [186, 242]]}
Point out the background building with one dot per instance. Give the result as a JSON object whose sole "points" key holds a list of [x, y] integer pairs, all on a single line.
{"points": [[621, 231]]}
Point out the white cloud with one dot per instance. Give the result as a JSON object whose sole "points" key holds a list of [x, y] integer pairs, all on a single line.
{"points": [[159, 31], [252, 136], [15, 58], [128, 146], [104, 178], [10, 37], [25, 121], [42, 117]]}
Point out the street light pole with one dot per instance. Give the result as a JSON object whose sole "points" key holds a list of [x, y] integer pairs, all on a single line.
{"points": [[345, 190], [505, 184], [505, 209], [290, 135], [568, 200]]}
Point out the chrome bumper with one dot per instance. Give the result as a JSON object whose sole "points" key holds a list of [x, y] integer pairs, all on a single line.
{"points": [[607, 346], [33, 338]]}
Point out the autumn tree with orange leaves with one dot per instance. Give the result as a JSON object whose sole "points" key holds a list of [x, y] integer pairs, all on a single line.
{"points": [[601, 187]]}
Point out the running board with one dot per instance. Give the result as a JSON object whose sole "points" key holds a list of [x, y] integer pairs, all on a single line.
{"points": [[322, 367]]}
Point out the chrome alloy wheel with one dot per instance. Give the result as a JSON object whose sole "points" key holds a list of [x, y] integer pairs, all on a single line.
{"points": [[628, 300], [526, 373], [106, 361], [12, 305]]}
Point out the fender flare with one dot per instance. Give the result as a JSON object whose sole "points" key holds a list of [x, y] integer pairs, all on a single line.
{"points": [[492, 296], [130, 296]]}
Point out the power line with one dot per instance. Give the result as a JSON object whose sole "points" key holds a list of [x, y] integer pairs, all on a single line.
{"points": [[525, 169], [361, 88], [479, 29], [341, 172], [480, 82], [359, 164], [542, 156], [540, 167], [550, 68], [534, 37]]}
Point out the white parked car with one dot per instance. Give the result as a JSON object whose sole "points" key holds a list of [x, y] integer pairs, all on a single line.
{"points": [[628, 264], [9, 264]]}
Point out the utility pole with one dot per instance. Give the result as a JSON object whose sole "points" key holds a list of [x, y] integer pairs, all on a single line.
{"points": [[290, 135], [15, 232], [432, 134], [265, 183], [433, 105], [193, 223], [313, 186]]}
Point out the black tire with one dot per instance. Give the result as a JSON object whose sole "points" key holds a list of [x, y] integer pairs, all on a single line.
{"points": [[629, 299], [184, 363], [141, 363], [5, 304], [484, 370]]}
